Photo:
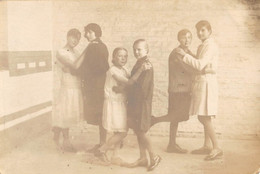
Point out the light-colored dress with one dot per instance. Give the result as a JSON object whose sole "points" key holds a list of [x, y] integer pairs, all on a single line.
{"points": [[114, 109], [204, 101], [69, 101]]}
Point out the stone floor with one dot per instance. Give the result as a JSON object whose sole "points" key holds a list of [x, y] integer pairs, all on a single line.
{"points": [[40, 156]]}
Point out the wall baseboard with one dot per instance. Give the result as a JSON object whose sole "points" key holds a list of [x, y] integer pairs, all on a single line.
{"points": [[19, 134]]}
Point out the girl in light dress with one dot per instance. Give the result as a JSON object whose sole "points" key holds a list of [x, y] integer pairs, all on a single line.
{"points": [[68, 106], [114, 110], [204, 99]]}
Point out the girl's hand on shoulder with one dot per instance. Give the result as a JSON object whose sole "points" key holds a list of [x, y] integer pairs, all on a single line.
{"points": [[180, 51], [146, 66]]}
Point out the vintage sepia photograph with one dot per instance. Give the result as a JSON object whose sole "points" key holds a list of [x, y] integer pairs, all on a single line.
{"points": [[129, 86]]}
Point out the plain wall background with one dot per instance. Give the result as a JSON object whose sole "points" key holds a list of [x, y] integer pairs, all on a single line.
{"points": [[42, 25]]}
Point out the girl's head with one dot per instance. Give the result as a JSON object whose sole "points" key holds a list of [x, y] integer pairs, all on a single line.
{"points": [[92, 31], [120, 55], [185, 37], [73, 37], [140, 48], [203, 30]]}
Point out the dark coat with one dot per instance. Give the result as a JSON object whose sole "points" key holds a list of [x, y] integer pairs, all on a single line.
{"points": [[93, 74], [180, 75], [140, 96]]}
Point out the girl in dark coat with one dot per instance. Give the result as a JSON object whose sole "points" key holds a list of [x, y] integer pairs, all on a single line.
{"points": [[93, 74]]}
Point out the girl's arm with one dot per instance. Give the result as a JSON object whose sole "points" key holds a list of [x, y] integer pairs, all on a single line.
{"points": [[80, 59], [128, 82], [198, 64], [192, 70], [66, 60]]}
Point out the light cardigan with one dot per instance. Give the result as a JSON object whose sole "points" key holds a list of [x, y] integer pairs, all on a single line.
{"points": [[207, 56], [205, 87]]}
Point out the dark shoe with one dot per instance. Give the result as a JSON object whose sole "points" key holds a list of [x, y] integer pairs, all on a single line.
{"points": [[118, 161], [214, 154], [176, 149], [56, 137], [154, 163], [94, 149], [202, 150], [139, 162], [101, 156], [68, 147]]}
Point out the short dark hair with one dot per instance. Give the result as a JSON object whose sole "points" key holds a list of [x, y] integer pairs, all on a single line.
{"points": [[203, 23], [94, 27], [142, 40], [182, 32], [74, 32], [116, 51]]}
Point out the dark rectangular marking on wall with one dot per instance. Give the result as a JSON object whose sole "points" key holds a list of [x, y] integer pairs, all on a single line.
{"points": [[10, 117], [3, 60], [28, 62]]}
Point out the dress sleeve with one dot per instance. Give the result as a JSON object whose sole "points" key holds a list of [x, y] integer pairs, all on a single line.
{"points": [[65, 58], [199, 64], [117, 75]]}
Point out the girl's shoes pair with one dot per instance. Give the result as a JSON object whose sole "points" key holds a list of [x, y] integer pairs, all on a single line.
{"points": [[214, 154], [118, 161], [101, 156], [144, 163], [154, 163], [203, 150], [68, 147]]}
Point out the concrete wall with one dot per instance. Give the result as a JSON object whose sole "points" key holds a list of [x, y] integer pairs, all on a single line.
{"points": [[27, 31]]}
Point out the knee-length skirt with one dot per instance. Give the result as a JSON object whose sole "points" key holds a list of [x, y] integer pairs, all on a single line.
{"points": [[179, 104], [204, 98]]}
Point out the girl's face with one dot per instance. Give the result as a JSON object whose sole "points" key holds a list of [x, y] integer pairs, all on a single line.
{"points": [[73, 41], [203, 33], [90, 35], [121, 58], [140, 50], [185, 40]]}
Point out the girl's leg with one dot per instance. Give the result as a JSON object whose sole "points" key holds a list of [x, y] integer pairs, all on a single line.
{"points": [[210, 131], [67, 146], [56, 137], [206, 148], [147, 144], [164, 118], [102, 135], [102, 139], [142, 161], [173, 147], [207, 142], [154, 159], [173, 133], [112, 141], [116, 149], [216, 151]]}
